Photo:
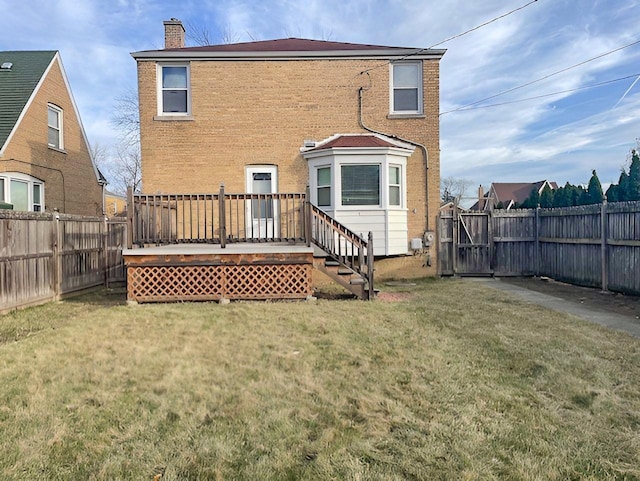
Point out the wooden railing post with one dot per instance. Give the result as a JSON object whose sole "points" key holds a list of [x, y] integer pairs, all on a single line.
{"points": [[130, 215], [222, 218], [307, 217], [370, 265]]}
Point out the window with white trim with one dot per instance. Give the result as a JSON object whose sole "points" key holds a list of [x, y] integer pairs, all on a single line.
{"points": [[54, 123], [360, 184], [174, 89], [395, 186], [406, 88], [323, 185], [25, 192]]}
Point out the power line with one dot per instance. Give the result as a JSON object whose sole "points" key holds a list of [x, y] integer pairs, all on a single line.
{"points": [[419, 51], [600, 84], [465, 107]]}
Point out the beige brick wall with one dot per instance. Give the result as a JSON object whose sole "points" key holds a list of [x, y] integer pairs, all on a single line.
{"points": [[82, 195], [259, 112]]}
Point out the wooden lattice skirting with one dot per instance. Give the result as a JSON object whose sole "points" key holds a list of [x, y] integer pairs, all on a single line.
{"points": [[148, 283]]}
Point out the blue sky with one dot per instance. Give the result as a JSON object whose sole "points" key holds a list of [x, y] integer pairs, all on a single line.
{"points": [[559, 138]]}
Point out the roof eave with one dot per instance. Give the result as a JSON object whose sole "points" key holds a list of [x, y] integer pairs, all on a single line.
{"points": [[392, 54]]}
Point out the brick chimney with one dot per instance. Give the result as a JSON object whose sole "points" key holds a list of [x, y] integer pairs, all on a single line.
{"points": [[173, 33]]}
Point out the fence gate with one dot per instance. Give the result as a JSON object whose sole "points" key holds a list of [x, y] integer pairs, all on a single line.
{"points": [[466, 243]]}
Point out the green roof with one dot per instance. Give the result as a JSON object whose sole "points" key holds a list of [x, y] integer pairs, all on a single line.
{"points": [[18, 83]]}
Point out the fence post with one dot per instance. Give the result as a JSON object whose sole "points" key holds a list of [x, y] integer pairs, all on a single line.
{"points": [[57, 258], [454, 239], [370, 265], [130, 210], [603, 249], [222, 218], [105, 250], [537, 243]]}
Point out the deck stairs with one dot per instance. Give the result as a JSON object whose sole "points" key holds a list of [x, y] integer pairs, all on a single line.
{"points": [[344, 256], [342, 274]]}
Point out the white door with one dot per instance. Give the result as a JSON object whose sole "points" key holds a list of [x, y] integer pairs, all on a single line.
{"points": [[262, 217]]}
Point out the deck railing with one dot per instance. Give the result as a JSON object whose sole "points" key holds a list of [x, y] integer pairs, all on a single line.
{"points": [[221, 218]]}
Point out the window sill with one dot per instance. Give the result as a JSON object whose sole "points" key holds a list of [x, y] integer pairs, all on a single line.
{"points": [[57, 149], [406, 116], [171, 118]]}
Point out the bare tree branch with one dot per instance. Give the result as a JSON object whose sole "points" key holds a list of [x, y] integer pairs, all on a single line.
{"points": [[452, 188]]}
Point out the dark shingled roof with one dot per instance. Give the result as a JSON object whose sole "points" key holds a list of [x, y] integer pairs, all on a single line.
{"points": [[18, 83], [284, 45], [355, 141], [288, 48]]}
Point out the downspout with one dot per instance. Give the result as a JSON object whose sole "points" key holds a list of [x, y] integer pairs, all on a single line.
{"points": [[64, 192], [417, 144]]}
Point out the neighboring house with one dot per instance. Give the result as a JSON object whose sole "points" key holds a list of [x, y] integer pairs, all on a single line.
{"points": [[115, 205], [45, 161], [357, 124], [508, 195]]}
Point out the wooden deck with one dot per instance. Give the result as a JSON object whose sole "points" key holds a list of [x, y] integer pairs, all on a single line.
{"points": [[212, 273], [238, 246]]}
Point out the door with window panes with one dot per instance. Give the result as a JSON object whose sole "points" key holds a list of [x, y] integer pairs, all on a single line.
{"points": [[261, 212]]}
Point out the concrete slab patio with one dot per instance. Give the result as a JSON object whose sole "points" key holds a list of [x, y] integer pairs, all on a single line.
{"points": [[626, 323]]}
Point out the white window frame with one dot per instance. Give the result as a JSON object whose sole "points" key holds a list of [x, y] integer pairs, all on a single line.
{"points": [[420, 88], [396, 186], [329, 186], [60, 128], [31, 182], [160, 89], [381, 175]]}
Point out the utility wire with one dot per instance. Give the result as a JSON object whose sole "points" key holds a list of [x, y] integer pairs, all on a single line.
{"points": [[600, 84], [465, 107], [419, 51]]}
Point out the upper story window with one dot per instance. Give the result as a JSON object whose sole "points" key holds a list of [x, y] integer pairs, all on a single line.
{"points": [[173, 89], [25, 192], [406, 88], [54, 122]]}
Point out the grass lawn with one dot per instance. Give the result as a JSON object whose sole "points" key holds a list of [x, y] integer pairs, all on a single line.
{"points": [[454, 382]]}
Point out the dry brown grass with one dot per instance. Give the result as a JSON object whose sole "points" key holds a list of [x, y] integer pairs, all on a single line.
{"points": [[453, 381]]}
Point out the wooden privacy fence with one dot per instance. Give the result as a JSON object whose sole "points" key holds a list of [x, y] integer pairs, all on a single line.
{"points": [[44, 256], [594, 245]]}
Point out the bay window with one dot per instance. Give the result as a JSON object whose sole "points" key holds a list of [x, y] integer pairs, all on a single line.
{"points": [[360, 184]]}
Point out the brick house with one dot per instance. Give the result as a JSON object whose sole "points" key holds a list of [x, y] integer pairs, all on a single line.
{"points": [[45, 161], [358, 124]]}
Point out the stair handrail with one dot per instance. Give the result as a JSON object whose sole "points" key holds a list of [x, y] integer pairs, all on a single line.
{"points": [[356, 253]]}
